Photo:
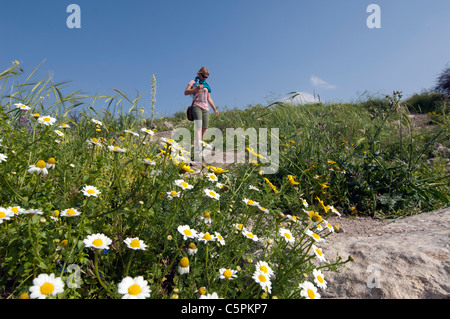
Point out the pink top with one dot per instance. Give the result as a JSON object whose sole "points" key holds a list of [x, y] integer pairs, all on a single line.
{"points": [[202, 99]]}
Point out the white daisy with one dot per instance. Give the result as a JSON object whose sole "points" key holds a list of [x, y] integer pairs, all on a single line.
{"points": [[50, 163], [183, 184], [134, 288], [287, 235], [334, 210], [319, 253], [46, 285], [192, 249], [253, 188], [98, 241], [148, 161], [249, 234], [21, 106], [3, 157], [329, 226], [135, 243], [183, 266], [316, 237], [220, 238], [131, 132], [90, 191], [262, 279], [187, 232], [304, 202], [206, 217], [239, 227], [206, 237], [264, 267], [16, 210], [147, 131], [116, 149], [46, 120], [39, 168], [171, 195], [318, 279], [250, 202], [33, 212], [70, 212], [228, 274], [5, 214], [211, 193], [214, 295], [263, 209], [64, 126], [94, 141], [59, 133], [220, 185], [309, 291], [292, 218], [212, 177], [97, 122]]}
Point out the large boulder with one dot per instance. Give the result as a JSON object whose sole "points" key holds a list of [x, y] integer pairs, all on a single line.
{"points": [[408, 258]]}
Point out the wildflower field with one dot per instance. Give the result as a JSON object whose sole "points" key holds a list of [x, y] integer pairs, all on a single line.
{"points": [[94, 206]]}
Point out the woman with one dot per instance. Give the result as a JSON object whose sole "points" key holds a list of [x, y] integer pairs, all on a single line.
{"points": [[202, 94]]}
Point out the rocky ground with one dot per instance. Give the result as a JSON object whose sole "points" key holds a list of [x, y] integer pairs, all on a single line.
{"points": [[408, 258]]}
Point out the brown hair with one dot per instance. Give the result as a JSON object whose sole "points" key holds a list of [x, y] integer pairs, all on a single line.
{"points": [[203, 70]]}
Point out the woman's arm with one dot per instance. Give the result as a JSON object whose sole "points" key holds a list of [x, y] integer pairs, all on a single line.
{"points": [[189, 90], [210, 101]]}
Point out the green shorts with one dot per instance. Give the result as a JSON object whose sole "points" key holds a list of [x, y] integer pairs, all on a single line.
{"points": [[201, 114]]}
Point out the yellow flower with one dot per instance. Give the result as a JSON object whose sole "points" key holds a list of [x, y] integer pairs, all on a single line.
{"points": [[314, 216], [325, 208], [331, 162], [292, 181], [324, 185], [251, 151], [271, 185], [216, 170]]}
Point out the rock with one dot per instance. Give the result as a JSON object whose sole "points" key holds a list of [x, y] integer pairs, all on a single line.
{"points": [[406, 259]]}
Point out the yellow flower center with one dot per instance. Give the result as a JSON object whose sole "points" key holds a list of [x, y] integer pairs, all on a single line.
{"points": [[311, 294], [250, 202], [64, 242], [173, 193], [184, 184], [263, 268], [192, 246], [202, 291], [15, 210], [47, 288], [40, 164], [135, 243], [262, 278], [206, 215], [98, 242], [70, 211], [318, 252], [46, 119], [184, 262], [287, 235], [220, 237], [320, 279], [207, 236], [240, 226], [227, 274], [250, 235], [187, 232], [316, 236], [134, 290], [94, 140], [90, 191], [2, 214], [212, 194], [51, 160]]}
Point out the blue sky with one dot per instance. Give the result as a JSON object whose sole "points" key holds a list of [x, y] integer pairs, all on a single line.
{"points": [[256, 51]]}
